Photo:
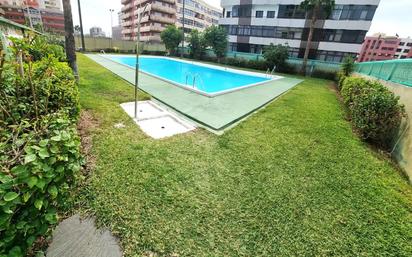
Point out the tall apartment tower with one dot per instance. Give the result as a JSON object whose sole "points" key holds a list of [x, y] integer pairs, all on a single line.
{"points": [[158, 14], [253, 24], [198, 15], [161, 13]]}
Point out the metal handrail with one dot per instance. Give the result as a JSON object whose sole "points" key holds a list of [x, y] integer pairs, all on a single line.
{"points": [[197, 75]]}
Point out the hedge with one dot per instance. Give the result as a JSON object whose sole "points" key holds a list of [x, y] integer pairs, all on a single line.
{"points": [[374, 110], [39, 145]]}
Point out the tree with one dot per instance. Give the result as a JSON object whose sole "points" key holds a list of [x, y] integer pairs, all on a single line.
{"points": [[216, 38], [276, 55], [197, 44], [171, 37], [69, 38], [314, 8], [348, 65]]}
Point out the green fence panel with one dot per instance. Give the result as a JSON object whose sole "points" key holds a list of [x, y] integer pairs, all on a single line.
{"points": [[397, 71]]}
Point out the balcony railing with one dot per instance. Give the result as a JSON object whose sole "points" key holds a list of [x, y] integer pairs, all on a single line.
{"points": [[162, 19], [150, 38]]}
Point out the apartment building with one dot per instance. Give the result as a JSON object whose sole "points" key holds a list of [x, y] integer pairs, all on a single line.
{"points": [[158, 14], [161, 13], [44, 13], [381, 47], [254, 24], [97, 32], [198, 15]]}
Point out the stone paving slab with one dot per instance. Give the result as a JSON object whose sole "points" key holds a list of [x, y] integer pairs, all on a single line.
{"points": [[74, 237], [216, 112]]}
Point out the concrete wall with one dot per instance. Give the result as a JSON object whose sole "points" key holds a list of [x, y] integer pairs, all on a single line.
{"points": [[97, 44], [403, 150]]}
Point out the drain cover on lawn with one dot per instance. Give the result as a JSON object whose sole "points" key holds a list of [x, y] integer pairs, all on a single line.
{"points": [[155, 121]]}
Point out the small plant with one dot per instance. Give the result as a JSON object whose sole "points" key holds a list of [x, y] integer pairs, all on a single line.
{"points": [[348, 65], [276, 55]]}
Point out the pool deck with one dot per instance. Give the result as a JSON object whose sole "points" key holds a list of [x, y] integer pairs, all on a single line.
{"points": [[216, 113]]}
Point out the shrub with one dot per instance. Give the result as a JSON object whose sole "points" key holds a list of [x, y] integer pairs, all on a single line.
{"points": [[38, 47], [352, 87], [216, 38], [340, 79], [324, 74], [197, 44], [377, 115], [171, 37], [276, 55], [39, 145], [348, 65], [375, 111]]}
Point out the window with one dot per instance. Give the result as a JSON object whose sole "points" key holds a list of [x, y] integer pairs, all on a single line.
{"points": [[398, 50], [406, 51], [242, 10], [409, 44], [270, 14], [228, 14], [259, 14], [401, 43]]}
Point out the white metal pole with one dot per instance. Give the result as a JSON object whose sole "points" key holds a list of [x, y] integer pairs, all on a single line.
{"points": [[137, 59]]}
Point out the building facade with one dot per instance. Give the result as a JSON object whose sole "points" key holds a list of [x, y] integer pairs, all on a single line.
{"points": [[97, 32], [161, 13], [198, 15], [254, 24], [381, 47], [45, 15]]}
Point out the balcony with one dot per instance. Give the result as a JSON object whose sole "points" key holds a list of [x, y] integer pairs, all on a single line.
{"points": [[150, 28], [126, 31], [160, 8], [127, 7], [150, 38], [162, 19]]}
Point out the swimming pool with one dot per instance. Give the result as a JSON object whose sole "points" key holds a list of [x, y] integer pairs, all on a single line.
{"points": [[206, 79]]}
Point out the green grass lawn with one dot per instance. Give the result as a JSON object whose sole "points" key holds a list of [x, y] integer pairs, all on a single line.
{"points": [[291, 180]]}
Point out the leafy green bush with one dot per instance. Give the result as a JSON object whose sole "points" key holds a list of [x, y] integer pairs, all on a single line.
{"points": [[276, 55], [340, 79], [39, 146], [348, 65], [375, 111], [377, 115], [352, 87], [38, 47]]}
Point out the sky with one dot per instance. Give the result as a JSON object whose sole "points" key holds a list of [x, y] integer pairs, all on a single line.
{"points": [[391, 17]]}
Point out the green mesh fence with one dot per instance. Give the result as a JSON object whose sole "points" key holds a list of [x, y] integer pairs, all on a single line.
{"points": [[398, 71]]}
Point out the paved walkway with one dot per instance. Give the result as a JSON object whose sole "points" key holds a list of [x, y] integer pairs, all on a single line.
{"points": [[74, 237], [218, 112]]}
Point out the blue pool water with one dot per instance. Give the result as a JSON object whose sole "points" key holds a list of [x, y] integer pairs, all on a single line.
{"points": [[208, 79]]}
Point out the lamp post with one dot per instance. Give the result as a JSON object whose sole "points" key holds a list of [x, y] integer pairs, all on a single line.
{"points": [[183, 29], [111, 27], [140, 15], [81, 26]]}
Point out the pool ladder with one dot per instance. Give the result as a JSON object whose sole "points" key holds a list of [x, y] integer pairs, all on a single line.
{"points": [[194, 76], [270, 72]]}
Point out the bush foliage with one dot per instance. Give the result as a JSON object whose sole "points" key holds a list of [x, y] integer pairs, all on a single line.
{"points": [[276, 55], [375, 111], [39, 145]]}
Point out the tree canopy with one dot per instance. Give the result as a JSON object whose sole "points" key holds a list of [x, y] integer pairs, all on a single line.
{"points": [[171, 37]]}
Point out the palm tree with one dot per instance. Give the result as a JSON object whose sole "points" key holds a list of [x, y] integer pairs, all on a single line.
{"points": [[315, 7], [69, 37]]}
